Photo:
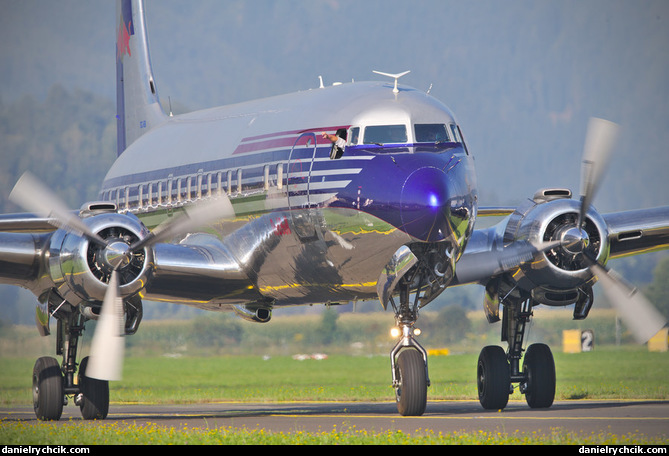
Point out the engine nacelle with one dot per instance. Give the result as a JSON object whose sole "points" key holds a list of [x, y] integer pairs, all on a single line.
{"points": [[560, 276], [80, 268]]}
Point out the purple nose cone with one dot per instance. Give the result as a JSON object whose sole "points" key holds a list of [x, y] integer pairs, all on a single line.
{"points": [[425, 205]]}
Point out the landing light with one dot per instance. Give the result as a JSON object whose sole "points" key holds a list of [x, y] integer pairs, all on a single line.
{"points": [[396, 332]]}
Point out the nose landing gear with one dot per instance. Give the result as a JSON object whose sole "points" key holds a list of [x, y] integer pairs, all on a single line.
{"points": [[430, 275], [408, 360]]}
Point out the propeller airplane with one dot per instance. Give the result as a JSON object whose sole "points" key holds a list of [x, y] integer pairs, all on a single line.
{"points": [[251, 207]]}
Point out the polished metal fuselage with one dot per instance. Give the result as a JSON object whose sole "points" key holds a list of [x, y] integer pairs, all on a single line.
{"points": [[307, 228]]}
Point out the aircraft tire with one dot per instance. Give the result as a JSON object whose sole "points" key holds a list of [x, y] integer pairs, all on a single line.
{"points": [[411, 393], [539, 368], [94, 401], [48, 391], [493, 378]]}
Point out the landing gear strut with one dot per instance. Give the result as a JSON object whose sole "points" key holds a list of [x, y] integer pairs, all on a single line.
{"points": [[426, 279], [408, 360], [497, 370], [54, 382]]}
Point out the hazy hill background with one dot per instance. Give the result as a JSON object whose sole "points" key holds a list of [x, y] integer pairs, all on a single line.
{"points": [[522, 76]]}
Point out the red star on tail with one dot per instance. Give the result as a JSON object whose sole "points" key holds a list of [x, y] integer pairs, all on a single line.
{"points": [[123, 40]]}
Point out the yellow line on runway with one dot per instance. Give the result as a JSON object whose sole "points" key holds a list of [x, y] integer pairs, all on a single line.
{"points": [[482, 417]]}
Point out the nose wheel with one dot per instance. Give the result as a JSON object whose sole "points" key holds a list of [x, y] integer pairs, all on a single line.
{"points": [[410, 383]]}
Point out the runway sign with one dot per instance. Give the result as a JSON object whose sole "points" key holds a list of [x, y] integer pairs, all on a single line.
{"points": [[577, 341]]}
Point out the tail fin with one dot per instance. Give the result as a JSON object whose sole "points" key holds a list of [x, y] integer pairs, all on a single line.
{"points": [[138, 107]]}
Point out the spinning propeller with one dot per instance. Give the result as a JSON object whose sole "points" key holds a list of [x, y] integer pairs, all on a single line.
{"points": [[639, 314], [108, 346]]}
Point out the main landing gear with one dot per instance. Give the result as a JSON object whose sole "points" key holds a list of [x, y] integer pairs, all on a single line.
{"points": [[53, 383], [497, 370]]}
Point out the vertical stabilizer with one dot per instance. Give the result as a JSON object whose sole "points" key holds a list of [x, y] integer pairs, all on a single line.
{"points": [[138, 107]]}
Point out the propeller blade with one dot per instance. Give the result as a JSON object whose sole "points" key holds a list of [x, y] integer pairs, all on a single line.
{"points": [[193, 217], [108, 346], [639, 315], [600, 139], [33, 196]]}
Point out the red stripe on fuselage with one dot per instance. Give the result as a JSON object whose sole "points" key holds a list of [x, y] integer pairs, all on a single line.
{"points": [[281, 139]]}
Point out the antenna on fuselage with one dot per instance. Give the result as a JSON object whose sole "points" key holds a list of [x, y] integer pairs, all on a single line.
{"points": [[394, 76]]}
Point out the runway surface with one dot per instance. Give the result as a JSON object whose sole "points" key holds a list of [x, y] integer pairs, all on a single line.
{"points": [[648, 418]]}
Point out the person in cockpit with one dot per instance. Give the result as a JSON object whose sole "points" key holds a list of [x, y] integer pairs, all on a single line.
{"points": [[338, 143]]}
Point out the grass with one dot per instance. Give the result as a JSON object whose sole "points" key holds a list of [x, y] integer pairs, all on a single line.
{"points": [[200, 376], [603, 374], [71, 433]]}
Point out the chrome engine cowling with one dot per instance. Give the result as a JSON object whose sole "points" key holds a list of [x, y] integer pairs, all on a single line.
{"points": [[559, 276], [81, 268]]}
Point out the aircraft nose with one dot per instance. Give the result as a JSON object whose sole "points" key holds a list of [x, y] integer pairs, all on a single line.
{"points": [[425, 205]]}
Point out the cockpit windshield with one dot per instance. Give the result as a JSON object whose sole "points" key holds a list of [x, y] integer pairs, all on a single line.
{"points": [[385, 134], [403, 138], [432, 133]]}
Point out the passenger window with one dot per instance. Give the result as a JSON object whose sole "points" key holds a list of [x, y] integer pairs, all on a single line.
{"points": [[279, 176], [219, 183], [126, 198], [150, 194], [384, 134], [432, 133]]}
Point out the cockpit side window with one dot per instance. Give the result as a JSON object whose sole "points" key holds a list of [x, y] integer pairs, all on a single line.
{"points": [[385, 134], [354, 137], [432, 133], [454, 132], [457, 134]]}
